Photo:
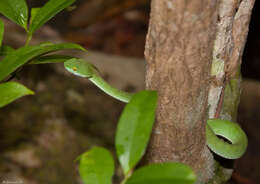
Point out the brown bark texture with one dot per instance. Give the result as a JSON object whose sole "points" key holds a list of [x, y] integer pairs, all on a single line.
{"points": [[183, 39]]}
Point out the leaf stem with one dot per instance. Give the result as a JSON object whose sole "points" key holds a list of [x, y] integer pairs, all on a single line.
{"points": [[29, 37], [124, 180], [127, 176]]}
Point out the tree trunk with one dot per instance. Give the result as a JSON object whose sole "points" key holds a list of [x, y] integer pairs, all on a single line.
{"points": [[193, 52]]}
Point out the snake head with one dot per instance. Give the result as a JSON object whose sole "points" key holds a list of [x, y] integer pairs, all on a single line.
{"points": [[80, 67]]}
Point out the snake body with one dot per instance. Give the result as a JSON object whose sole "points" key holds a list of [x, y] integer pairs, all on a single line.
{"points": [[214, 127]]}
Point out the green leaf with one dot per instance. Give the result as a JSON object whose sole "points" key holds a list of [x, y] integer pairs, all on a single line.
{"points": [[51, 59], [34, 11], [16, 10], [1, 32], [96, 166], [164, 173], [49, 10], [21, 56], [11, 91], [5, 50], [134, 128]]}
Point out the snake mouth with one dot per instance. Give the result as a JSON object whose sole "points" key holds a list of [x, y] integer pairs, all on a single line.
{"points": [[224, 139]]}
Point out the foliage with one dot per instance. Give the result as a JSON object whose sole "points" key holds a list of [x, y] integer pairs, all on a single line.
{"points": [[134, 128], [132, 135], [1, 32], [25, 54], [45, 13], [164, 173], [10, 91], [96, 166], [16, 10], [15, 59]]}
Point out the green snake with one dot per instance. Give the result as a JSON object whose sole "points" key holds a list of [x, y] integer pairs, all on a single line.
{"points": [[214, 127]]}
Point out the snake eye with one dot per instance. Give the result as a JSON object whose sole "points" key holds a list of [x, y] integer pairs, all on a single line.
{"points": [[74, 68]]}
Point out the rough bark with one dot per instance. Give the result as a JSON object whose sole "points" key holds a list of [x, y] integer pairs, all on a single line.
{"points": [[232, 29], [183, 39], [225, 88], [179, 51]]}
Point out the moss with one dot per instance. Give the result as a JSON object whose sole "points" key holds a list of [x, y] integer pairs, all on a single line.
{"points": [[232, 98]]}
